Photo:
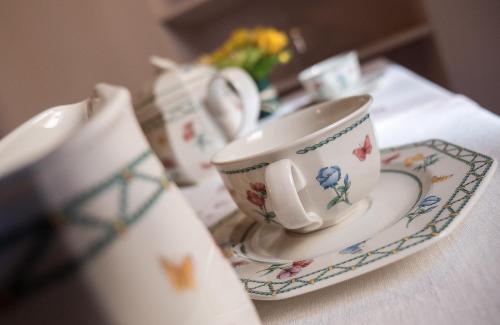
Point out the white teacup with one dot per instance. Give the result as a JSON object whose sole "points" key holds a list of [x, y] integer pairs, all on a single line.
{"points": [[332, 78], [92, 232], [308, 170]]}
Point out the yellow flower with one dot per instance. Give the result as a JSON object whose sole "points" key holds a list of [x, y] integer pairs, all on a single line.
{"points": [[270, 40], [284, 57], [239, 38], [221, 54], [246, 47]]}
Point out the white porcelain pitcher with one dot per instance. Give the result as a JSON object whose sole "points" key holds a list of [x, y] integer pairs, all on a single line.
{"points": [[192, 113], [91, 231]]}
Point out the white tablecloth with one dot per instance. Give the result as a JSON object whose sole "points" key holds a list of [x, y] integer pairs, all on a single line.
{"points": [[456, 281]]}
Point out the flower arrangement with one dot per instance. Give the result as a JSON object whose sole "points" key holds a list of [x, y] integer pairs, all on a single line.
{"points": [[255, 50]]}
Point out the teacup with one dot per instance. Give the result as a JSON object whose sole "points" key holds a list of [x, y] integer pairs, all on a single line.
{"points": [[308, 170], [92, 232], [332, 78]]}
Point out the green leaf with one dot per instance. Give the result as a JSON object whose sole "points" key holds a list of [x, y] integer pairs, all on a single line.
{"points": [[334, 201], [271, 268], [252, 56], [341, 189], [270, 216], [263, 67]]}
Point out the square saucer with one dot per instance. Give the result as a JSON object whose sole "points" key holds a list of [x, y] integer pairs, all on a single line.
{"points": [[425, 191]]}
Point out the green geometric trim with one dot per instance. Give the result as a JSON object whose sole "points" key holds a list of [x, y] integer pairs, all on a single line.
{"points": [[43, 229], [333, 137], [479, 166], [244, 170], [302, 151], [171, 114]]}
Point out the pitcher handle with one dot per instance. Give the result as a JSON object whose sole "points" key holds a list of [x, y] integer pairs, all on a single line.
{"points": [[236, 121]]}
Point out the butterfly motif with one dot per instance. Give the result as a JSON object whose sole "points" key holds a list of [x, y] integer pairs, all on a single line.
{"points": [[410, 160], [181, 276], [437, 179], [364, 150], [389, 159]]}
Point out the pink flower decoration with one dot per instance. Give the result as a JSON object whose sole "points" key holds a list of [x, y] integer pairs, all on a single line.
{"points": [[289, 272], [302, 263], [188, 132], [255, 198], [259, 187], [294, 269]]}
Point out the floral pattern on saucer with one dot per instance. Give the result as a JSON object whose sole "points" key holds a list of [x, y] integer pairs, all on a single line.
{"points": [[453, 179], [426, 205], [422, 162], [287, 270], [354, 249]]}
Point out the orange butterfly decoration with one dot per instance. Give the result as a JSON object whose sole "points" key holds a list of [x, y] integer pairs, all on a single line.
{"points": [[181, 276], [364, 150], [410, 160], [437, 179]]}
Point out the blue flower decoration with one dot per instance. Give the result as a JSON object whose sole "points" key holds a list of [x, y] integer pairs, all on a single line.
{"points": [[353, 249], [328, 177], [346, 180], [430, 200]]}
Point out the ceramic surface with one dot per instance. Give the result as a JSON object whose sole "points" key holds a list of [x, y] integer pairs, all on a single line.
{"points": [[94, 233], [193, 113], [337, 77], [306, 171], [425, 191]]}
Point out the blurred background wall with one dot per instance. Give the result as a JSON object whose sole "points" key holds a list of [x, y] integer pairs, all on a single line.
{"points": [[52, 52], [468, 37]]}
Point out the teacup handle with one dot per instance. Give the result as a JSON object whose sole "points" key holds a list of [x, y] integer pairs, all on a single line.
{"points": [[283, 181], [236, 121]]}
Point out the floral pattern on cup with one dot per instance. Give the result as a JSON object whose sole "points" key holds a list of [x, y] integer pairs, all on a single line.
{"points": [[363, 150], [257, 195], [426, 205], [287, 270], [329, 178]]}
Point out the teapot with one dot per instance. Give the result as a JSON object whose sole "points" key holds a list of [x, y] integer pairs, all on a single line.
{"points": [[192, 112]]}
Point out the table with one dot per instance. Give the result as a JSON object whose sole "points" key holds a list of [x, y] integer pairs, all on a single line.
{"points": [[455, 281]]}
